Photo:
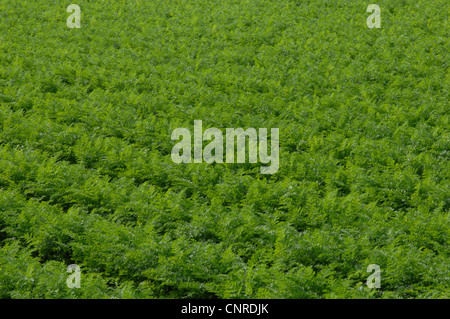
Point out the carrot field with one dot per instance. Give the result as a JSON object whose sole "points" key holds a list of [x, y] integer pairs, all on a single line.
{"points": [[87, 178]]}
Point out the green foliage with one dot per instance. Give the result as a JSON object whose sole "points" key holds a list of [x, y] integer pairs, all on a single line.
{"points": [[86, 176]]}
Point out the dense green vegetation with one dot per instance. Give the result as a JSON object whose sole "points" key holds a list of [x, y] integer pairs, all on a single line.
{"points": [[85, 170]]}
